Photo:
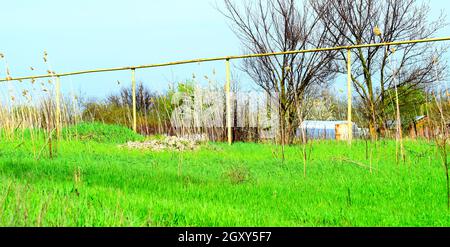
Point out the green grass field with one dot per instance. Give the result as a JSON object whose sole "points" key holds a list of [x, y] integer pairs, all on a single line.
{"points": [[93, 182]]}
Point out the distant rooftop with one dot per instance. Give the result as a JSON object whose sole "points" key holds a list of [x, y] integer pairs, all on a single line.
{"points": [[418, 118]]}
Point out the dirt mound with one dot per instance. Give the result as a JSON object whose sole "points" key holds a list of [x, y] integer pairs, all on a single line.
{"points": [[168, 143]]}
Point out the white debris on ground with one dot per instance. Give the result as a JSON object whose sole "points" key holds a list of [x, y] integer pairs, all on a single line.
{"points": [[173, 143]]}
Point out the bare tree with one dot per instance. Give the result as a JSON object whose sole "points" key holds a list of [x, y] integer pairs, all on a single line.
{"points": [[144, 98], [369, 21], [283, 25]]}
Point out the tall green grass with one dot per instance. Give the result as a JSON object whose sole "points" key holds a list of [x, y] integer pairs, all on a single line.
{"points": [[92, 183]]}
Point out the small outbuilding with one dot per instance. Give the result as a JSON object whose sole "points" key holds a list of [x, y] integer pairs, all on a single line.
{"points": [[331, 130], [420, 127]]}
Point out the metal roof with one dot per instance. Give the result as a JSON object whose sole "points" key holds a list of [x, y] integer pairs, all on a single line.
{"points": [[418, 118]]}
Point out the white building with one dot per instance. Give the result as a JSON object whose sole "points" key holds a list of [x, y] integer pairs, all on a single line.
{"points": [[314, 129]]}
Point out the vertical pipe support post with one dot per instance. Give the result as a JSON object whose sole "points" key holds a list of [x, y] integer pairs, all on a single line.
{"points": [[349, 97], [58, 107], [133, 86], [228, 101]]}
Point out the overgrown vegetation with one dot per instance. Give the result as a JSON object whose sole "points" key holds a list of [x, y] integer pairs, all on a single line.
{"points": [[66, 161], [100, 132], [100, 184], [153, 110]]}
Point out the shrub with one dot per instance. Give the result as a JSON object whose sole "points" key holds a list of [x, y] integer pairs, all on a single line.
{"points": [[110, 114], [238, 174]]}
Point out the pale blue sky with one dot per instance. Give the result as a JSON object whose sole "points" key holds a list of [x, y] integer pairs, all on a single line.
{"points": [[86, 34]]}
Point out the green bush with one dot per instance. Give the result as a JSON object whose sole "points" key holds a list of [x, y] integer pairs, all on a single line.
{"points": [[99, 132]]}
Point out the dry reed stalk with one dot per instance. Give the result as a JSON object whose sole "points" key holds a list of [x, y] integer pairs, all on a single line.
{"points": [[43, 211], [371, 158], [3, 200], [441, 143], [399, 135], [304, 160], [345, 159]]}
